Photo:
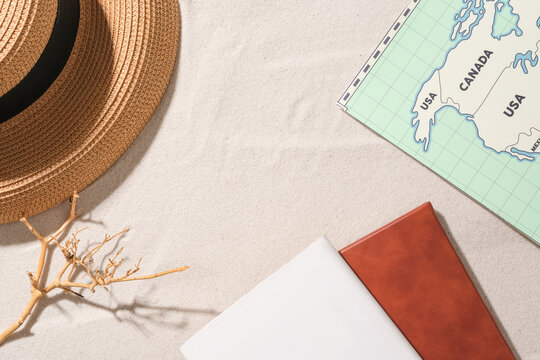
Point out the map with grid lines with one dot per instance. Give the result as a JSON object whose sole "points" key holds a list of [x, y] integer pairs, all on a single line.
{"points": [[454, 84]]}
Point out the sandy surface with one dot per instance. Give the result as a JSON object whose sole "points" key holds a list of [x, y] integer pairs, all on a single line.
{"points": [[246, 162]]}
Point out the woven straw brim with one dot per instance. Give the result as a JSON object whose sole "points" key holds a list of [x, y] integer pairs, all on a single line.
{"points": [[25, 27], [120, 66]]}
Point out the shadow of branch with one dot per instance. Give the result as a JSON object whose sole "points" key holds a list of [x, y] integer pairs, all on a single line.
{"points": [[137, 313]]}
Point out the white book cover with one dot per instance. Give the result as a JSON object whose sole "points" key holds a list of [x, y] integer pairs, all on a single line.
{"points": [[312, 308]]}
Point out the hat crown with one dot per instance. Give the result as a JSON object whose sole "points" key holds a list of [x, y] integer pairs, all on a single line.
{"points": [[25, 29]]}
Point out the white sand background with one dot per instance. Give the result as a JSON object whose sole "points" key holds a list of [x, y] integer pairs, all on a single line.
{"points": [[246, 162]]}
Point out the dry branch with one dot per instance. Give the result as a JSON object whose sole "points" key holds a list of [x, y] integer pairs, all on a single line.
{"points": [[74, 262]]}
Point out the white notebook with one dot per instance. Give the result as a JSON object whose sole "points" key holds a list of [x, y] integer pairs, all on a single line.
{"points": [[312, 308]]}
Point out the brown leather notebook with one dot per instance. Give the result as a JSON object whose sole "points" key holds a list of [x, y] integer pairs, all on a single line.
{"points": [[413, 271]]}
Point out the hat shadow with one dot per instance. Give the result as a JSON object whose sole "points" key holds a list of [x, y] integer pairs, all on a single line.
{"points": [[48, 221]]}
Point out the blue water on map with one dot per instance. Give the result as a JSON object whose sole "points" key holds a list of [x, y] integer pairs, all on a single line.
{"points": [[505, 21], [472, 9], [525, 153], [523, 58], [538, 22]]}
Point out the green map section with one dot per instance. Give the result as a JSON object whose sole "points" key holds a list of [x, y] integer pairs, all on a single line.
{"points": [[383, 101]]}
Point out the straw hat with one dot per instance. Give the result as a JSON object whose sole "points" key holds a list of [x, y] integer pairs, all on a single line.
{"points": [[79, 79]]}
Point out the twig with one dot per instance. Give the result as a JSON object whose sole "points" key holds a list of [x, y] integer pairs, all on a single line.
{"points": [[74, 261]]}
